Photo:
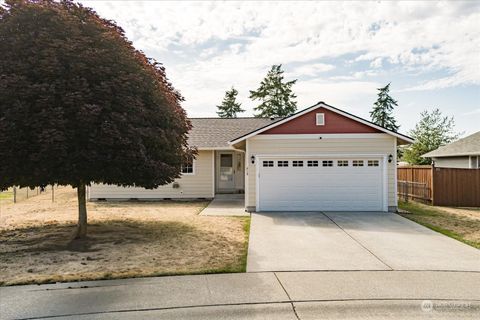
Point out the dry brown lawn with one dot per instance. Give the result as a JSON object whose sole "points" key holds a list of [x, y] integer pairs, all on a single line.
{"points": [[459, 223], [125, 239]]}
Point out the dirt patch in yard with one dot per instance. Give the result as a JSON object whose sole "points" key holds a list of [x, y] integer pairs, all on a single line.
{"points": [[472, 213], [460, 223], [125, 239]]}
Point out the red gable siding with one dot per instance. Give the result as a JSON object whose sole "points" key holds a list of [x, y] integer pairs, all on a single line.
{"points": [[334, 123]]}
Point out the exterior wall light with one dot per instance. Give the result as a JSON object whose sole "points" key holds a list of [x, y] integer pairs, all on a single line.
{"points": [[390, 158]]}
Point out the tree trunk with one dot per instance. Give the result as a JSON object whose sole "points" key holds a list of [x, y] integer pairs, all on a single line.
{"points": [[82, 212]]}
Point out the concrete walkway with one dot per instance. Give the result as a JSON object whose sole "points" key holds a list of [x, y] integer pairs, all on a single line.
{"points": [[302, 241], [281, 295], [226, 205]]}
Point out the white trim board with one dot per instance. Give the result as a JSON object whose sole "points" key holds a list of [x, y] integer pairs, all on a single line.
{"points": [[318, 136], [395, 176], [246, 165], [320, 105], [230, 148], [322, 155], [385, 183], [214, 174], [257, 184]]}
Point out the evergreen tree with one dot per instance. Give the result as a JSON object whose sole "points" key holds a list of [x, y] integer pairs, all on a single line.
{"points": [[276, 95], [229, 107], [382, 110], [434, 130]]}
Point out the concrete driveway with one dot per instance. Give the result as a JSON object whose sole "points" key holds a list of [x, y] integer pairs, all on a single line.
{"points": [[305, 241]]}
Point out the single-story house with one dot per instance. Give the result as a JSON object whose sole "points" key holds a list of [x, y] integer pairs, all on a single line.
{"points": [[321, 158], [463, 153]]}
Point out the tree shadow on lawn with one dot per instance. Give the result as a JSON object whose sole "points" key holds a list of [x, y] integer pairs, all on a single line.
{"points": [[59, 237], [117, 249]]}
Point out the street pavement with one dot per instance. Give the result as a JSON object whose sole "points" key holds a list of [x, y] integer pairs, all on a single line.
{"points": [[384, 294]]}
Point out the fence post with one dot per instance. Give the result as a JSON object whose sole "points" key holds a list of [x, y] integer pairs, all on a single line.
{"points": [[53, 193], [14, 194], [432, 181], [405, 189]]}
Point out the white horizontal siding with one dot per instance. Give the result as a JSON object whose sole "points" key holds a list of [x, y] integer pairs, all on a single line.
{"points": [[199, 185], [379, 144], [452, 162]]}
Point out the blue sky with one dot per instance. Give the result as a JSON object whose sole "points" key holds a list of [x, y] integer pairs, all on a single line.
{"points": [[339, 52]]}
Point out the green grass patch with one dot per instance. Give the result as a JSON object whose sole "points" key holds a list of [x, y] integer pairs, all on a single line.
{"points": [[458, 227], [6, 195]]}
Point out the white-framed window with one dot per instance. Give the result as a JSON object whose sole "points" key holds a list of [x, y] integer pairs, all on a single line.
{"points": [[297, 163], [320, 118], [312, 163], [357, 163], [373, 163], [342, 163], [188, 167], [282, 163], [268, 163], [327, 163]]}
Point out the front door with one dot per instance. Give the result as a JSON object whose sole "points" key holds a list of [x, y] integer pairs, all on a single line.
{"points": [[226, 179]]}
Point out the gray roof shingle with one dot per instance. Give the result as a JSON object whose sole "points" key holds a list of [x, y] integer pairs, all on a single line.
{"points": [[216, 132], [464, 147]]}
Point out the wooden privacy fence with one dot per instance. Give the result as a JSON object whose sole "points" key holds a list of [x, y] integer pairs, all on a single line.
{"points": [[440, 186], [414, 190], [415, 183], [456, 187]]}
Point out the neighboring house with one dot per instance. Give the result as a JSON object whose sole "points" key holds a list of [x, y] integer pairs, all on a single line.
{"points": [[320, 158], [463, 153]]}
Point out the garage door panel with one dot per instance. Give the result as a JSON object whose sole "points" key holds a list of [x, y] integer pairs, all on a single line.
{"points": [[333, 188], [322, 192]]}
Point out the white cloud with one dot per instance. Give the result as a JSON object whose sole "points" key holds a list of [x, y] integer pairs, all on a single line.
{"points": [[473, 112], [334, 93], [376, 63], [237, 42], [311, 69]]}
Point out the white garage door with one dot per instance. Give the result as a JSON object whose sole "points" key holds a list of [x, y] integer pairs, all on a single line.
{"points": [[320, 184]]}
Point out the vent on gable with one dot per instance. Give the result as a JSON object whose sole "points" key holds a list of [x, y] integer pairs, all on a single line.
{"points": [[320, 119]]}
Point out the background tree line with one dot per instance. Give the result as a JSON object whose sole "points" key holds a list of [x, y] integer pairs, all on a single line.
{"points": [[277, 99]]}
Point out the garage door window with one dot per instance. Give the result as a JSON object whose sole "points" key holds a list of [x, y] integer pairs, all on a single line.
{"points": [[327, 163], [373, 163], [268, 163], [297, 163], [357, 163], [312, 163], [342, 163], [282, 163]]}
